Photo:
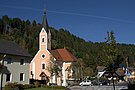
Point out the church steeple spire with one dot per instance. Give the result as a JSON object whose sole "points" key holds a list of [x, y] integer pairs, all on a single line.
{"points": [[45, 34], [45, 23]]}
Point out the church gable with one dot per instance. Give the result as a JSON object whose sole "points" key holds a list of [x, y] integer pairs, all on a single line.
{"points": [[42, 55], [43, 30]]}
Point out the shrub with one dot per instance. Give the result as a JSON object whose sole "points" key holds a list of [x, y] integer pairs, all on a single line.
{"points": [[10, 85], [37, 84], [13, 86], [28, 86], [20, 86], [16, 86]]}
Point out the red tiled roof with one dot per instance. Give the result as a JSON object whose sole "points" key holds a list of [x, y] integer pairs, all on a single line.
{"points": [[63, 55]]}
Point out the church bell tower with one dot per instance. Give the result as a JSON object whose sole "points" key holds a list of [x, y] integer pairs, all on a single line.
{"points": [[45, 35]]}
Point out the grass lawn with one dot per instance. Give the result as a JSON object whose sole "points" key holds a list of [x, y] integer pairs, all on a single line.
{"points": [[53, 88]]}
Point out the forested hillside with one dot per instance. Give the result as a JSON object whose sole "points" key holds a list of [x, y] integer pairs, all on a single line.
{"points": [[25, 33]]}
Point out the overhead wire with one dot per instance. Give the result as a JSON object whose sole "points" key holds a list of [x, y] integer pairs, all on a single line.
{"points": [[70, 13]]}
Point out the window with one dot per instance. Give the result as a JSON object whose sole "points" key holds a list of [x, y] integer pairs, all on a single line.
{"points": [[43, 56], [9, 60], [8, 76], [31, 72], [43, 66], [21, 76], [22, 62], [43, 39]]}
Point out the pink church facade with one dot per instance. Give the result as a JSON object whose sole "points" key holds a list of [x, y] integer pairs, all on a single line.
{"points": [[42, 60]]}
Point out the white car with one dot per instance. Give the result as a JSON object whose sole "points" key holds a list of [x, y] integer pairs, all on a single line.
{"points": [[86, 83]]}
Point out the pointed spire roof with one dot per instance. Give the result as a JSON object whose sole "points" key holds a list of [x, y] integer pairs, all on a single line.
{"points": [[45, 23]]}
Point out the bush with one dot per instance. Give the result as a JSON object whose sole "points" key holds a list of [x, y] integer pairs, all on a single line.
{"points": [[28, 86], [16, 86], [20, 86], [13, 86], [37, 84]]}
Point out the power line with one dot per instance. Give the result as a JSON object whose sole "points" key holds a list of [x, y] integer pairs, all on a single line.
{"points": [[26, 8], [69, 13], [94, 16]]}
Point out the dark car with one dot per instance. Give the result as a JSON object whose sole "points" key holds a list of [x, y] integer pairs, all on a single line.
{"points": [[105, 82], [100, 82], [96, 82]]}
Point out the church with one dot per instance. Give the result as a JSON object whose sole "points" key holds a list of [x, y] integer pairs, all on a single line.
{"points": [[42, 65]]}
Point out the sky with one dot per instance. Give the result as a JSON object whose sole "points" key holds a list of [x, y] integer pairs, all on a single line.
{"points": [[87, 19]]}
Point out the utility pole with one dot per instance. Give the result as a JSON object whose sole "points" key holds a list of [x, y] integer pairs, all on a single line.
{"points": [[113, 80], [127, 71], [2, 63]]}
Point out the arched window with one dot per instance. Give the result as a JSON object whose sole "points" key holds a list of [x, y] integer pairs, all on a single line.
{"points": [[43, 66], [43, 39]]}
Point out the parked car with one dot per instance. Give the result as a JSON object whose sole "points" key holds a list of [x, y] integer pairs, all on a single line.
{"points": [[105, 82], [100, 82], [96, 82], [85, 83]]}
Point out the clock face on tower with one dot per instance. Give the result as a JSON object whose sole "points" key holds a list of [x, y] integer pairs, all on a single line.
{"points": [[43, 55]]}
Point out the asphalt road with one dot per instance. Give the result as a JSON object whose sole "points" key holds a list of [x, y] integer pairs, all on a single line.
{"points": [[97, 88]]}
